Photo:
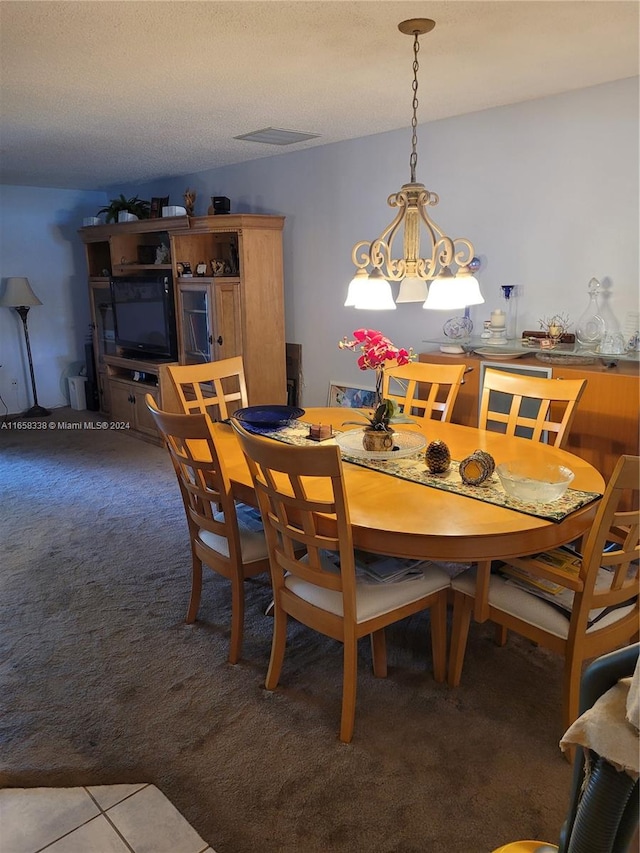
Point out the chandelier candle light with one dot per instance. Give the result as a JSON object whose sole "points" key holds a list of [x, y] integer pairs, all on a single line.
{"points": [[453, 284]]}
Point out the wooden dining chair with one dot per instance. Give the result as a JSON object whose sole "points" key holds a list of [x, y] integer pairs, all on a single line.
{"points": [[553, 403], [217, 388], [225, 536], [578, 606], [302, 499], [439, 382]]}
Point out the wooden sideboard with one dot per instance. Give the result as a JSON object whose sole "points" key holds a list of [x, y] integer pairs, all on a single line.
{"points": [[606, 423]]}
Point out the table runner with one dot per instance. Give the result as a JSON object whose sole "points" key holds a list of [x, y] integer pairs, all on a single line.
{"points": [[413, 468]]}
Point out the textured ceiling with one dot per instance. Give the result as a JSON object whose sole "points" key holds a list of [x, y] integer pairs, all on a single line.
{"points": [[96, 92]]}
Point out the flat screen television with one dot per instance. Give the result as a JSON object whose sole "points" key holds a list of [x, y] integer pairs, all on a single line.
{"points": [[144, 316]]}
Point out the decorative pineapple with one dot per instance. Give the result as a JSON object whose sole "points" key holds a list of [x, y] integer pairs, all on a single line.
{"points": [[438, 457]]}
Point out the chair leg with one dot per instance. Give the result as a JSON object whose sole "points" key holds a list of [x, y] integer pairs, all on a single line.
{"points": [[237, 619], [462, 607], [379, 653], [501, 635], [278, 643], [196, 588], [438, 617], [571, 691], [349, 676]]}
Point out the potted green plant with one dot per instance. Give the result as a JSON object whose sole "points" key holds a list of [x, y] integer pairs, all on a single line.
{"points": [[137, 206], [378, 434]]}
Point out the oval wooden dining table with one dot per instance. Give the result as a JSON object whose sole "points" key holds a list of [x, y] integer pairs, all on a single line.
{"points": [[393, 516]]}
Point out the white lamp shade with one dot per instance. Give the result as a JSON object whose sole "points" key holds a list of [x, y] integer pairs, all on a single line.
{"points": [[412, 289], [448, 293], [356, 284], [376, 295], [468, 285], [18, 292]]}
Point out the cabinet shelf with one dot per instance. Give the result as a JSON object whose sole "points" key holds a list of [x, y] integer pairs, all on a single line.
{"points": [[140, 267], [206, 279]]}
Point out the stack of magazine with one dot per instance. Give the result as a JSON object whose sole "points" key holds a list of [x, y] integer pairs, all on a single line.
{"points": [[387, 569], [566, 560]]}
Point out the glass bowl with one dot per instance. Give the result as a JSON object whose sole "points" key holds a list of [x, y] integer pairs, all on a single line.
{"points": [[532, 482]]}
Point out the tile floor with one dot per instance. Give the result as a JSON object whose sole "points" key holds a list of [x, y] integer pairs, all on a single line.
{"points": [[101, 819]]}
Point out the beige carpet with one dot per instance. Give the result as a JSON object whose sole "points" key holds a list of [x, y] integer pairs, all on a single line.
{"points": [[101, 682]]}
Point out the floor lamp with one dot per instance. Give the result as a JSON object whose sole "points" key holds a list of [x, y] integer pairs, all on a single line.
{"points": [[18, 295]]}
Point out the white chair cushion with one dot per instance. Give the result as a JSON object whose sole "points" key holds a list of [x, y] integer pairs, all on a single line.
{"points": [[252, 540], [372, 599], [515, 601]]}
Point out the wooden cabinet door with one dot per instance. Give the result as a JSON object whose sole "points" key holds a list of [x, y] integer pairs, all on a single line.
{"points": [[143, 419], [128, 406], [226, 323], [195, 319], [121, 408]]}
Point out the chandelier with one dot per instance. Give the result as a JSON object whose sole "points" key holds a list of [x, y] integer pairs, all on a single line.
{"points": [[453, 284]]}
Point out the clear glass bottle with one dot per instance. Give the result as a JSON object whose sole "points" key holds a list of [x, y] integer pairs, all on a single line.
{"points": [[591, 326]]}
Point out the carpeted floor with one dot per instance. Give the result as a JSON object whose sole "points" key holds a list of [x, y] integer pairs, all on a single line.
{"points": [[101, 682]]}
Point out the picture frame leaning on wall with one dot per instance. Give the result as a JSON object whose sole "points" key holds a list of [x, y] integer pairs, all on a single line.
{"points": [[350, 397]]}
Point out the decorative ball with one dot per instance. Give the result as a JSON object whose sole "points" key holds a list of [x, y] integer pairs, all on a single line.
{"points": [[438, 457], [475, 469], [491, 462]]}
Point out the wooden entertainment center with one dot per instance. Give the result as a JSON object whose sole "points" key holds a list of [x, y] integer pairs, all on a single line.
{"points": [[229, 300]]}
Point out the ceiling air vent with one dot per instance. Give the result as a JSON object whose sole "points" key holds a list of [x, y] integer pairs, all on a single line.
{"points": [[276, 136]]}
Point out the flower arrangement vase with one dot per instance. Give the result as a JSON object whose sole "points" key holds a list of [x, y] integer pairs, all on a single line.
{"points": [[377, 440]]}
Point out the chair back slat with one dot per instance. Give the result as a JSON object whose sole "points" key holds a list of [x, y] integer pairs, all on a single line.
{"points": [[556, 405], [422, 389], [216, 388]]}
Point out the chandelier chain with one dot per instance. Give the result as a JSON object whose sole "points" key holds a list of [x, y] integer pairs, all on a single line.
{"points": [[413, 159]]}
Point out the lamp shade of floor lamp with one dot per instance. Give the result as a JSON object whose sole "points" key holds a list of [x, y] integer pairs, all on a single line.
{"points": [[18, 295]]}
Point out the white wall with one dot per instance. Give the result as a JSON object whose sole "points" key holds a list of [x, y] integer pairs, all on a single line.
{"points": [[546, 190], [38, 239]]}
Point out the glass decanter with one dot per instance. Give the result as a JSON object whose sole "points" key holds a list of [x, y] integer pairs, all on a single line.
{"points": [[591, 326]]}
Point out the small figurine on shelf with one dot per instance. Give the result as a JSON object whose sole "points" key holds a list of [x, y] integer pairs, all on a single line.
{"points": [[163, 255], [554, 327], [189, 201]]}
